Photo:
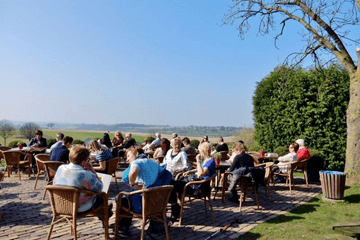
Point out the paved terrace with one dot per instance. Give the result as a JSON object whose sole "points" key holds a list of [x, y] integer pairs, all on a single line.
{"points": [[27, 216]]}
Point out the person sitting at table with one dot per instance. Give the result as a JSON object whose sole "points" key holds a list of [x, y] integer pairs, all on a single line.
{"points": [[176, 159], [157, 141], [187, 146], [205, 139], [142, 173], [38, 141], [118, 140], [59, 137], [163, 149], [284, 161], [205, 168], [221, 146], [61, 153], [75, 174], [102, 155], [146, 145], [129, 141], [303, 152], [106, 141]]}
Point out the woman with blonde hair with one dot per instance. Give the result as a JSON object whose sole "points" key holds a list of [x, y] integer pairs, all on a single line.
{"points": [[102, 155], [117, 140]]}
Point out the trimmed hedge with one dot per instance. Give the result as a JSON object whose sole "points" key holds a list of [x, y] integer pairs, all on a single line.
{"points": [[294, 103], [195, 143], [14, 143], [50, 142], [78, 141]]}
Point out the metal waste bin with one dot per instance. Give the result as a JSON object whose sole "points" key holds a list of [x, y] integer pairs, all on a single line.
{"points": [[333, 185]]}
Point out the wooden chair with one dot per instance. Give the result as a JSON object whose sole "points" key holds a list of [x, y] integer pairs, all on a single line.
{"points": [[268, 177], [203, 196], [65, 202], [14, 159], [301, 167], [112, 167], [40, 159], [192, 159], [51, 168], [154, 203], [246, 185], [3, 149], [288, 176]]}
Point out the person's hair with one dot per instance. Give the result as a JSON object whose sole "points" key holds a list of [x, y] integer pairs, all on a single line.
{"points": [[176, 141], [186, 140], [39, 132], [238, 146], [134, 150], [165, 144], [118, 133], [78, 154], [95, 145], [174, 135], [206, 148], [146, 140], [128, 134], [60, 135], [106, 140], [220, 139], [241, 141], [295, 146], [67, 140]]}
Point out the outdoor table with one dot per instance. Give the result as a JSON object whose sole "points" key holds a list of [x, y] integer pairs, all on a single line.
{"points": [[265, 159], [221, 167]]}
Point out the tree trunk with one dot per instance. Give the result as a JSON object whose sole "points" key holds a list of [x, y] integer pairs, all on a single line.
{"points": [[352, 165]]}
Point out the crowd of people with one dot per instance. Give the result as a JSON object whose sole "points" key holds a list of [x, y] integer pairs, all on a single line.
{"points": [[144, 172]]}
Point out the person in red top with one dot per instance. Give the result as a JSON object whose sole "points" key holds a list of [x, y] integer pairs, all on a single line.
{"points": [[302, 153]]}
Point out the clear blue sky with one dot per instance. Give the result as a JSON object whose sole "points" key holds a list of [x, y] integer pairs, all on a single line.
{"points": [[150, 62]]}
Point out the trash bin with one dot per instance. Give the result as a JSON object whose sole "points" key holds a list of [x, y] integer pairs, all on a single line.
{"points": [[333, 185]]}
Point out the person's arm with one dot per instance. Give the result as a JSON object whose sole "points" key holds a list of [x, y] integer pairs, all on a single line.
{"points": [[134, 171], [201, 171], [94, 184], [185, 161], [287, 158], [102, 166], [31, 142], [234, 164], [42, 142]]}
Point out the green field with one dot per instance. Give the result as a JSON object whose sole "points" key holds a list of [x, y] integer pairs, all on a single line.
{"points": [[75, 134]]}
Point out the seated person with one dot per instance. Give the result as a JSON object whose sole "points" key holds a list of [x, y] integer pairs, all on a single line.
{"points": [[118, 140], [205, 168], [102, 155], [222, 146], [75, 175], [157, 141], [61, 153], [59, 138], [284, 161], [163, 149], [129, 141], [302, 153], [176, 159], [146, 146], [205, 139], [106, 141], [38, 141], [142, 173], [187, 146]]}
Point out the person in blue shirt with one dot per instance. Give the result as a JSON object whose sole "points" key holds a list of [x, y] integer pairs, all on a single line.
{"points": [[61, 153], [103, 154]]}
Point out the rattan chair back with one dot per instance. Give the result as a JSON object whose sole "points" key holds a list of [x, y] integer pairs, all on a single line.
{"points": [[3, 149], [112, 165], [51, 168], [16, 159]]}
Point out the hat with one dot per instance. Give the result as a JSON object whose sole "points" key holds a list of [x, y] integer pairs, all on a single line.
{"points": [[301, 142]]}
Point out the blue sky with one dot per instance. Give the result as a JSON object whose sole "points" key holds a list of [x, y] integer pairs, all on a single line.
{"points": [[150, 62]]}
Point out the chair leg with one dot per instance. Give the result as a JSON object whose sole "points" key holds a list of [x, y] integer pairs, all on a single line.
{"points": [[306, 179], [117, 220], [241, 200], [19, 172], [51, 228], [74, 229], [116, 182], [205, 203], [290, 183], [181, 210], [36, 180], [29, 169], [143, 229], [106, 226], [211, 210], [257, 200], [44, 194], [166, 228]]}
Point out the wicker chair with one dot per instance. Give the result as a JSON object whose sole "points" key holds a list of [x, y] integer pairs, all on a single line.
{"points": [[40, 159], [268, 177], [246, 185], [154, 203], [202, 196], [112, 167], [3, 149], [51, 168], [14, 159], [192, 160], [65, 202], [301, 167], [288, 176]]}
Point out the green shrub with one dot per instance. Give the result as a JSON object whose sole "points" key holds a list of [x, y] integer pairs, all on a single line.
{"points": [[50, 142], [195, 143], [254, 148], [95, 138], [281, 150], [78, 141], [150, 139], [15, 142]]}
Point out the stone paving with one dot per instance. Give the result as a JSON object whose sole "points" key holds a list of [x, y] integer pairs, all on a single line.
{"points": [[27, 216]]}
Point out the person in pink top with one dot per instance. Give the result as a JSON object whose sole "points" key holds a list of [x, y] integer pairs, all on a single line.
{"points": [[302, 153]]}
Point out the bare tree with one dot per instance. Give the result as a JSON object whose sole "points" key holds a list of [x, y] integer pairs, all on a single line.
{"points": [[50, 125], [6, 129], [28, 129], [326, 28]]}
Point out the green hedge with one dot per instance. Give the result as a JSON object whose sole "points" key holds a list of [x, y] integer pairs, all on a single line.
{"points": [[195, 143], [295, 103], [50, 142], [14, 143], [78, 141]]}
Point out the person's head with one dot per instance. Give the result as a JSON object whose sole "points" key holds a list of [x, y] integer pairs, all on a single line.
{"points": [[157, 135], [176, 144], [220, 140], [118, 135], [106, 136], [205, 149], [186, 141], [94, 146], [39, 134], [78, 154], [59, 136], [128, 137], [174, 135], [165, 145], [67, 141], [301, 142], [205, 139], [132, 152], [241, 141], [294, 147], [239, 147], [146, 141]]}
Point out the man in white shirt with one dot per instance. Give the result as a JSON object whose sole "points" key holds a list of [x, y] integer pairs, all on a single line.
{"points": [[59, 138]]}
